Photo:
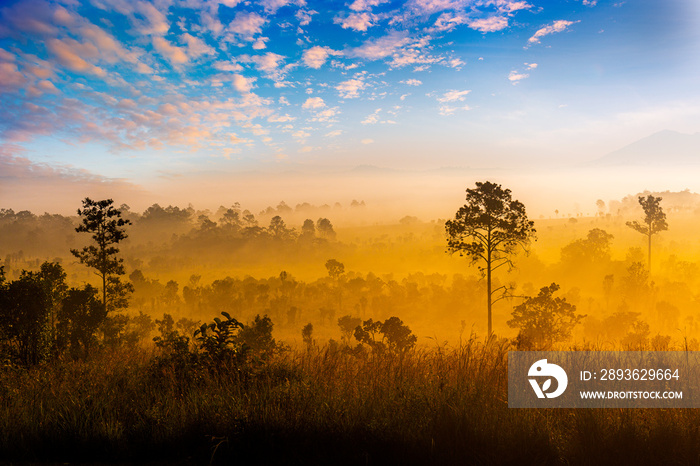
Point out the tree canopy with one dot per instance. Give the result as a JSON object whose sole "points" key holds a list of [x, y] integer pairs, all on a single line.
{"points": [[104, 222], [488, 229], [654, 220]]}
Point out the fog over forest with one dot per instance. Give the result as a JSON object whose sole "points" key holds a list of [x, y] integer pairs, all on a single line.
{"points": [[193, 264]]}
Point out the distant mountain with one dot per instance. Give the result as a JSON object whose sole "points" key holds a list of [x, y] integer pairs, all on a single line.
{"points": [[660, 149]]}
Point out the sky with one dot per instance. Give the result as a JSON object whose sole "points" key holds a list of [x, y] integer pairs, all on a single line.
{"points": [[174, 101]]}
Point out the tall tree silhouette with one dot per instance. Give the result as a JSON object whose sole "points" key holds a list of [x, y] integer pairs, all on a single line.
{"points": [[107, 227], [654, 221], [488, 229], [335, 271]]}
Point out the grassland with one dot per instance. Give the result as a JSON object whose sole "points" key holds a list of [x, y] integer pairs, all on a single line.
{"points": [[446, 405]]}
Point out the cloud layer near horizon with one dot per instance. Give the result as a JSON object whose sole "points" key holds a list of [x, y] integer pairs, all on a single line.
{"points": [[131, 92]]}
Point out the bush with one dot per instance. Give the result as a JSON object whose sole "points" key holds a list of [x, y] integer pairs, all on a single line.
{"points": [[544, 320], [391, 336]]}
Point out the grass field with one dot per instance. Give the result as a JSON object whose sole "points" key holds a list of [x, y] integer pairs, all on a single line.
{"points": [[447, 405]]}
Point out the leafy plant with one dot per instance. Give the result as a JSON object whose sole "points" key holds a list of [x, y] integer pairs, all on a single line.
{"points": [[219, 340], [391, 336], [544, 320]]}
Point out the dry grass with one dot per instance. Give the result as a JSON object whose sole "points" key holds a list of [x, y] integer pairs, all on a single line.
{"points": [[440, 406]]}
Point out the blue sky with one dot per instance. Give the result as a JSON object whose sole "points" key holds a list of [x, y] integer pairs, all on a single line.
{"points": [[136, 92]]}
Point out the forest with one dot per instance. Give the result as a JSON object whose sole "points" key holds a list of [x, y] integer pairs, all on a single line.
{"points": [[316, 334]]}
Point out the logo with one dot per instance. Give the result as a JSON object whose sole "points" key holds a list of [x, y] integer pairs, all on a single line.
{"points": [[551, 371]]}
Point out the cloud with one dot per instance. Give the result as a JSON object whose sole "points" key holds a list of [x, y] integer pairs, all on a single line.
{"points": [[68, 53], [453, 96], [492, 24], [356, 21], [271, 6], [256, 129], [110, 50], [515, 77], [509, 6], [97, 46], [234, 139], [230, 3], [280, 118], [246, 25], [448, 21], [455, 63], [300, 136], [327, 115], [174, 54], [363, 5], [33, 17], [446, 110], [260, 43], [334, 133], [372, 118], [156, 22], [208, 22], [241, 83], [313, 102], [41, 186], [6, 56], [408, 57], [227, 66], [269, 64], [10, 77], [429, 7], [382, 47], [304, 16], [316, 56], [47, 87], [350, 89], [367, 141], [412, 82], [196, 47], [556, 26]]}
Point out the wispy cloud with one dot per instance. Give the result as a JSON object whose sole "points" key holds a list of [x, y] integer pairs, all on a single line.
{"points": [[492, 24], [175, 55], [373, 118], [382, 47], [351, 88], [356, 21], [412, 82], [246, 26], [453, 96], [224, 77], [556, 26], [316, 56], [515, 77]]}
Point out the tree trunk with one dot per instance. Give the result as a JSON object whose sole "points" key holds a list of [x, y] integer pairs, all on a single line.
{"points": [[104, 291], [488, 287], [649, 253]]}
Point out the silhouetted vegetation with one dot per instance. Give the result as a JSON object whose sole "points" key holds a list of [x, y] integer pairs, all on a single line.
{"points": [[488, 229], [654, 221], [282, 339]]}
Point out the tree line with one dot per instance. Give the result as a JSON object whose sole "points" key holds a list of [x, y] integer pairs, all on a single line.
{"points": [[40, 315], [491, 227]]}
